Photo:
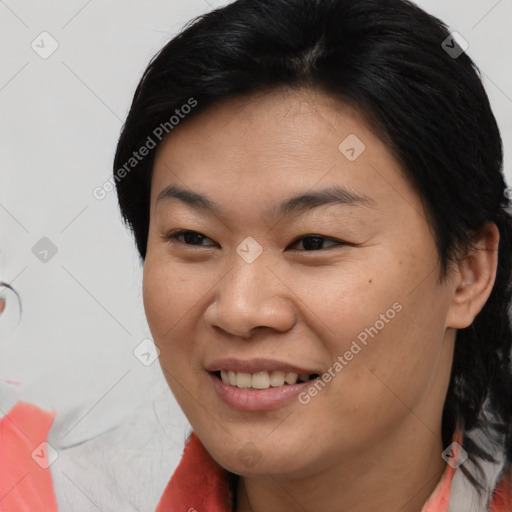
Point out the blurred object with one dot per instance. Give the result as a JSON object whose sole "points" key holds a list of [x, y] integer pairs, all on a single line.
{"points": [[10, 311]]}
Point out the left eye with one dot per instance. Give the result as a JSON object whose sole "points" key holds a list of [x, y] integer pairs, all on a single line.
{"points": [[314, 242]]}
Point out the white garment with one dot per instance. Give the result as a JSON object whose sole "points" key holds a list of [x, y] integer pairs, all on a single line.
{"points": [[120, 469]]}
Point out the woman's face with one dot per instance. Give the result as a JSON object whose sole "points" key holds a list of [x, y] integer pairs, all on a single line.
{"points": [[312, 255]]}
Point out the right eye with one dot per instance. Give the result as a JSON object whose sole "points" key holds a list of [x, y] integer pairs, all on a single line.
{"points": [[189, 237]]}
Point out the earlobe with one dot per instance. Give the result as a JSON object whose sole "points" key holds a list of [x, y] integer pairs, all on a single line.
{"points": [[474, 277]]}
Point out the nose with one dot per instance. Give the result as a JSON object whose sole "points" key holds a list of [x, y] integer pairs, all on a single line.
{"points": [[251, 296]]}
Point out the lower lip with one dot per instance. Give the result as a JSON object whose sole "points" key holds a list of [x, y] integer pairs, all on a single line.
{"points": [[257, 400]]}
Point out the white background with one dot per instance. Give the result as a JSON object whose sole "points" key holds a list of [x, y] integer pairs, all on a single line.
{"points": [[59, 122]]}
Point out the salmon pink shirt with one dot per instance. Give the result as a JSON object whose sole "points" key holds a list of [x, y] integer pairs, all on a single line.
{"points": [[25, 478]]}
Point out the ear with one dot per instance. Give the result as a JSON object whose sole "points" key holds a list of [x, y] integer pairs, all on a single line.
{"points": [[474, 277]]}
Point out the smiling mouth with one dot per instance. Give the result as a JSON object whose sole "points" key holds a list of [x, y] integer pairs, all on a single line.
{"points": [[262, 380]]}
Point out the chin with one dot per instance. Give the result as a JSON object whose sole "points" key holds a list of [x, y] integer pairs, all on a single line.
{"points": [[253, 458]]}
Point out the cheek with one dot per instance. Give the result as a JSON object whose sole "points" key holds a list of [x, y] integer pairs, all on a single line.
{"points": [[158, 300], [175, 297], [168, 303], [172, 299], [389, 332], [398, 356], [169, 295]]}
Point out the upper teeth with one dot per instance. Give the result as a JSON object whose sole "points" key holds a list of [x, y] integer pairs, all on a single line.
{"points": [[261, 380]]}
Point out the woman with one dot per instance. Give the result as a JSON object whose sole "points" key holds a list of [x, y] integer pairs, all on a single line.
{"points": [[316, 193]]}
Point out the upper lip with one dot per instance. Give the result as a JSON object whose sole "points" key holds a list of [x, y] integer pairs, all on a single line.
{"points": [[255, 366]]}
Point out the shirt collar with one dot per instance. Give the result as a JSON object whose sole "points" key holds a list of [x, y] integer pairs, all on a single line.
{"points": [[198, 483]]}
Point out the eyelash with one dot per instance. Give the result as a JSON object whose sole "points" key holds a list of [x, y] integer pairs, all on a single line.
{"points": [[173, 238]]}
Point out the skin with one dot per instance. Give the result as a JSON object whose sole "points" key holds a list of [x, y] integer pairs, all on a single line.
{"points": [[371, 440]]}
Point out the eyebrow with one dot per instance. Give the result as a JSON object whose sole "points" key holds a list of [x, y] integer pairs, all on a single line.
{"points": [[334, 195]]}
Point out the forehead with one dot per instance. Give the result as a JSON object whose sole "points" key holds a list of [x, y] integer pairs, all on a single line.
{"points": [[282, 120], [275, 144]]}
